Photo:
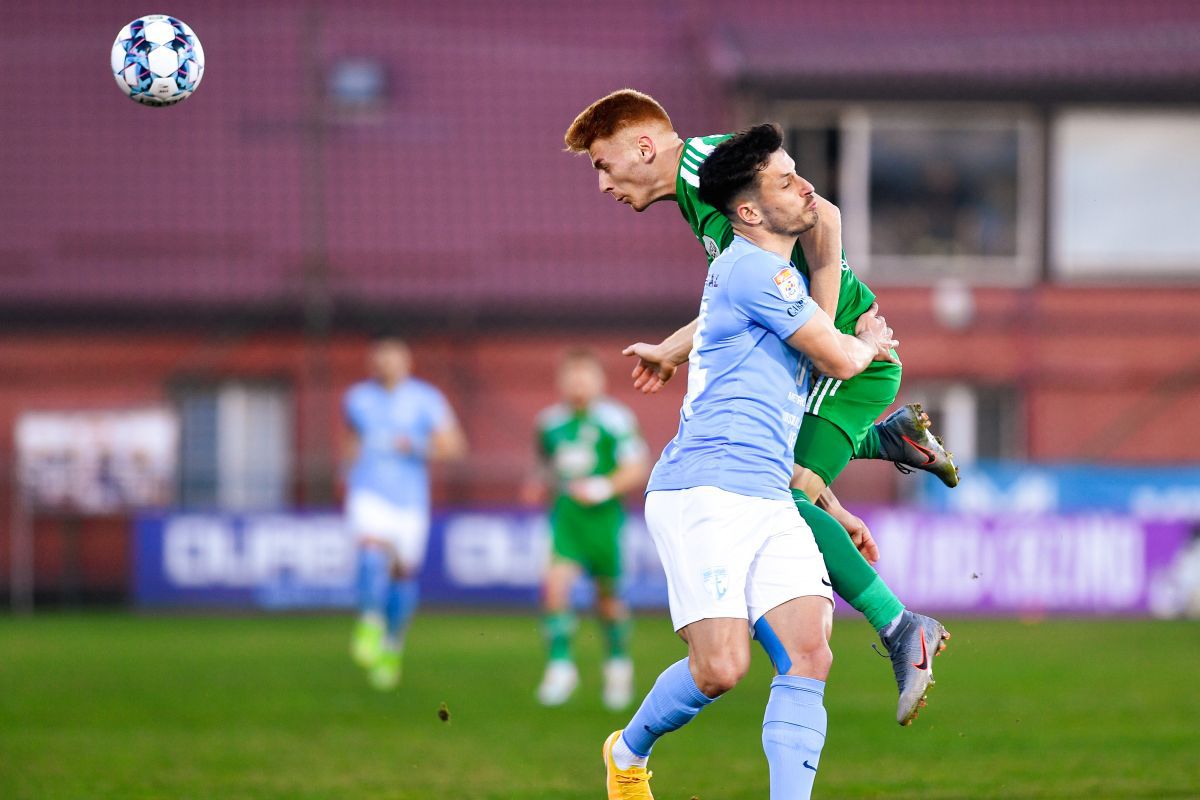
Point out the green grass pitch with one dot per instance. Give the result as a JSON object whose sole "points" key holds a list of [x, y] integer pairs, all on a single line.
{"points": [[120, 706]]}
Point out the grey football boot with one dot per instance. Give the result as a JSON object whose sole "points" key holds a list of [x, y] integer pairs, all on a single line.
{"points": [[906, 441], [911, 647]]}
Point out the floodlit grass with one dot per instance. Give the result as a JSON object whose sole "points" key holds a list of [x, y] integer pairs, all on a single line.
{"points": [[120, 706]]}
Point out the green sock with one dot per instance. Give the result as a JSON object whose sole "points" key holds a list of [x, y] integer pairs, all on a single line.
{"points": [[558, 628], [869, 447], [616, 633], [852, 577]]}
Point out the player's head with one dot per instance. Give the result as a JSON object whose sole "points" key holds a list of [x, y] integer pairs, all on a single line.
{"points": [[390, 359], [752, 180], [630, 141], [580, 377]]}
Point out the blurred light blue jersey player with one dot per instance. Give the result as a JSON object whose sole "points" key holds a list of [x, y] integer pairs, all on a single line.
{"points": [[397, 424], [394, 427], [737, 427]]}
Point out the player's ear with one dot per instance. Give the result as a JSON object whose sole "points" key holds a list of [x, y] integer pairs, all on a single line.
{"points": [[747, 212], [646, 148]]}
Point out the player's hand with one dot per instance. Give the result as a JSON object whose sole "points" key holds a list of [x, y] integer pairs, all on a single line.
{"points": [[590, 491], [860, 534], [532, 493], [653, 368], [873, 329]]}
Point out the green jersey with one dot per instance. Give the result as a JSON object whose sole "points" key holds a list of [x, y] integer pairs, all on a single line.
{"points": [[582, 444], [715, 233]]}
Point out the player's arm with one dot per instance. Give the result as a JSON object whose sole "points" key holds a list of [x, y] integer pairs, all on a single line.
{"points": [[822, 246], [537, 483], [633, 466], [447, 442], [838, 355], [657, 363], [349, 445], [630, 473], [859, 533]]}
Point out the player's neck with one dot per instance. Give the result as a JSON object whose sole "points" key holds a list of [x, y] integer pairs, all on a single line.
{"points": [[671, 155], [779, 244], [391, 383]]}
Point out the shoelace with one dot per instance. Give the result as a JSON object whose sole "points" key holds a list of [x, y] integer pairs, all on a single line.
{"points": [[635, 778]]}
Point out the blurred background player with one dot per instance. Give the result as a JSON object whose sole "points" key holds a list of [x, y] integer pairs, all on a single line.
{"points": [[590, 454], [396, 424], [641, 160]]}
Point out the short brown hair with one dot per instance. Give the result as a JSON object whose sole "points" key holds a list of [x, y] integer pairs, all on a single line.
{"points": [[608, 115], [577, 354]]}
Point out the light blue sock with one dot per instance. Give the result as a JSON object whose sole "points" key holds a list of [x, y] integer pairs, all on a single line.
{"points": [[401, 603], [671, 704], [372, 582], [793, 735]]}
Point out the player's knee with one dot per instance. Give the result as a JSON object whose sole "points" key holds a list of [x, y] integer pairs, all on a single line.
{"points": [[718, 675], [610, 608], [813, 660]]}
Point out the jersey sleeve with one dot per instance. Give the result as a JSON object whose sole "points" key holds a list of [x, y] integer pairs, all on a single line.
{"points": [[437, 410], [771, 295], [630, 446], [541, 439], [351, 411]]}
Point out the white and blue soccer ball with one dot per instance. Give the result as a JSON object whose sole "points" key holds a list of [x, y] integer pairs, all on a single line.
{"points": [[157, 60]]}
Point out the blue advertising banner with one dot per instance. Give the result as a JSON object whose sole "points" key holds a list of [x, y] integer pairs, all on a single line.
{"points": [[945, 561], [995, 487], [272, 560], [307, 560]]}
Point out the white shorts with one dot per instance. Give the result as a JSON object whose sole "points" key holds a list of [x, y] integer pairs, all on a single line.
{"points": [[729, 555], [406, 530]]}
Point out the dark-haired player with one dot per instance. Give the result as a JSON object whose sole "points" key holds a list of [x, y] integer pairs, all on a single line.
{"points": [[736, 552]]}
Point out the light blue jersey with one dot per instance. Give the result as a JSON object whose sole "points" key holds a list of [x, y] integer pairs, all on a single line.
{"points": [[746, 386], [413, 410]]}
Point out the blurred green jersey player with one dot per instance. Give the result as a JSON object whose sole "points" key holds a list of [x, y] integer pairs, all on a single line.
{"points": [[590, 453], [640, 160]]}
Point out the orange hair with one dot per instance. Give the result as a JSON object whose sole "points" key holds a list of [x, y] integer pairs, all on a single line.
{"points": [[609, 114]]}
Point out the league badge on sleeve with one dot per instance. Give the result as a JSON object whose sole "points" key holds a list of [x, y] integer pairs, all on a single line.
{"points": [[710, 247], [787, 280]]}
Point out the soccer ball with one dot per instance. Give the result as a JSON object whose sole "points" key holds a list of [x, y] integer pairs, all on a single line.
{"points": [[157, 60]]}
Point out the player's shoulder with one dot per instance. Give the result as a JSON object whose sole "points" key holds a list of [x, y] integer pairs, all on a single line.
{"points": [[424, 389], [361, 390], [553, 416], [695, 150], [612, 415], [704, 145], [746, 259]]}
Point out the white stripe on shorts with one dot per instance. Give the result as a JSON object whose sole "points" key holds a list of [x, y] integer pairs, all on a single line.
{"points": [[835, 386]]}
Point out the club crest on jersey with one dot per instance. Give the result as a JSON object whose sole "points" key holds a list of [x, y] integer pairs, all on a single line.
{"points": [[710, 247], [787, 280], [716, 582]]}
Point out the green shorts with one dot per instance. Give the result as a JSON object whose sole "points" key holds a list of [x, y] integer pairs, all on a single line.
{"points": [[838, 414], [590, 536]]}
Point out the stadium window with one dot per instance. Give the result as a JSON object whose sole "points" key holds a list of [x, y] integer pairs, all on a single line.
{"points": [[981, 422], [236, 445], [816, 148], [1126, 186], [358, 82], [927, 192]]}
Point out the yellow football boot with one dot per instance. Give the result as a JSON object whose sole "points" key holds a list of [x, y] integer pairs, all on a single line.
{"points": [[625, 784]]}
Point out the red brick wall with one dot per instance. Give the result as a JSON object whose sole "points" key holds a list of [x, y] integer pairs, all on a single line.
{"points": [[1106, 374]]}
